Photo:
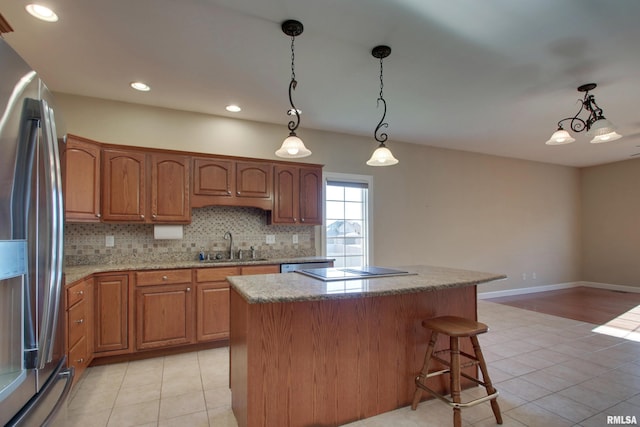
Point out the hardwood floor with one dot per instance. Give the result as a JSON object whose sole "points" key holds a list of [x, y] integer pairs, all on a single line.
{"points": [[598, 306]]}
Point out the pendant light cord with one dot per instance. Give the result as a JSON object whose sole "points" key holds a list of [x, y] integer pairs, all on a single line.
{"points": [[293, 125], [381, 124]]}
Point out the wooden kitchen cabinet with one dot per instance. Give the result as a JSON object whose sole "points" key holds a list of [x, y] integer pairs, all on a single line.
{"points": [[212, 302], [111, 314], [79, 325], [141, 187], [124, 185], [81, 165], [170, 183], [164, 308], [297, 195], [227, 182]]}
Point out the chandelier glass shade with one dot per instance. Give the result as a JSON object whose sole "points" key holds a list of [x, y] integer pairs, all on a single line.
{"points": [[595, 124]]}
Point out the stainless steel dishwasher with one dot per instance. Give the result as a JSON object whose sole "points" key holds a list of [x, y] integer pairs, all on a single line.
{"points": [[290, 268]]}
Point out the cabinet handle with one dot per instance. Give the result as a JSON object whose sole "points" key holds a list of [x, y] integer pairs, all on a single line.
{"points": [[79, 292], [142, 216], [98, 216], [188, 289], [165, 278], [80, 321]]}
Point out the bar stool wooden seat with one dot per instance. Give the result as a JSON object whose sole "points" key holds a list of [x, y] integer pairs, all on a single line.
{"points": [[456, 328]]}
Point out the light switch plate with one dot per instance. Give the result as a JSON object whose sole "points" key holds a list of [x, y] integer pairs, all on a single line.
{"points": [[271, 239], [109, 241], [295, 239]]}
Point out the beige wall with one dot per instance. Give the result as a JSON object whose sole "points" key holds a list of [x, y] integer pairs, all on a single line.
{"points": [[437, 206], [611, 223]]}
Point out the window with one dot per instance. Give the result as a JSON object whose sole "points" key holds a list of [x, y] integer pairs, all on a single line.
{"points": [[347, 236]]}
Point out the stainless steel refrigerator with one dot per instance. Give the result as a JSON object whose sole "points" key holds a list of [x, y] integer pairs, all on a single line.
{"points": [[34, 380]]}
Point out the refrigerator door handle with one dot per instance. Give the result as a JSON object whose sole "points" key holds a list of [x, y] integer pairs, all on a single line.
{"points": [[53, 288]]}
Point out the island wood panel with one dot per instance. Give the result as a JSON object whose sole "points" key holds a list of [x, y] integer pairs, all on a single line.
{"points": [[331, 362]]}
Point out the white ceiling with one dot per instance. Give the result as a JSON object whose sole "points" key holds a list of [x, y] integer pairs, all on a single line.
{"points": [[490, 76]]}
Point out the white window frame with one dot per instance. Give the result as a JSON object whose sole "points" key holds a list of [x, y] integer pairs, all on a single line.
{"points": [[348, 177]]}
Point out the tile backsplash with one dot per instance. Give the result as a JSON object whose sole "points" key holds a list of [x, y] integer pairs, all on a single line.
{"points": [[85, 243]]}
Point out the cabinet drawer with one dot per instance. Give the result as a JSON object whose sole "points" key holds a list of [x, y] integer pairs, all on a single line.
{"points": [[76, 293], [260, 269], [77, 322], [163, 277], [216, 274], [78, 354]]}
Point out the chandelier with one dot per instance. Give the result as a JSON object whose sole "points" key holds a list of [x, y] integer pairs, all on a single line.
{"points": [[595, 124]]}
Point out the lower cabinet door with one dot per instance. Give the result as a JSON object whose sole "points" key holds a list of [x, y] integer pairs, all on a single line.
{"points": [[212, 311], [164, 316]]}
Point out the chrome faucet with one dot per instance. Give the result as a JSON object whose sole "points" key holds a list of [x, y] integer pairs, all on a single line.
{"points": [[229, 237]]}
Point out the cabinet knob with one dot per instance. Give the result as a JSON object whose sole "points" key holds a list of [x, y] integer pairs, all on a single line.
{"points": [[154, 216], [228, 191], [79, 292], [142, 216], [98, 215], [188, 289], [81, 360], [165, 278], [295, 219], [79, 321], [301, 219], [238, 193]]}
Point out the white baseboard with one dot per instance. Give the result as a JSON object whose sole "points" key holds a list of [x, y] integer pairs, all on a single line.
{"points": [[622, 288], [529, 290], [534, 289]]}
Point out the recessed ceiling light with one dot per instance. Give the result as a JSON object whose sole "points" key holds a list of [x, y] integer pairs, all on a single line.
{"points": [[142, 87], [42, 12], [233, 108]]}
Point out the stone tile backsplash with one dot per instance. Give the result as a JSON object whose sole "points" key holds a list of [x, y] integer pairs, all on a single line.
{"points": [[85, 243]]}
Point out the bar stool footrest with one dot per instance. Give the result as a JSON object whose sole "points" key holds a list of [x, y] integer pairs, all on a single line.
{"points": [[461, 404]]}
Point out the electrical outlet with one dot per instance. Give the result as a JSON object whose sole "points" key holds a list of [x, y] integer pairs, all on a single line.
{"points": [[533, 275], [109, 241], [271, 239], [295, 239], [524, 276]]}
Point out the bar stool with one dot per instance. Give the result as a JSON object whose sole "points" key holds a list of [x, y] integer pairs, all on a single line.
{"points": [[456, 328]]}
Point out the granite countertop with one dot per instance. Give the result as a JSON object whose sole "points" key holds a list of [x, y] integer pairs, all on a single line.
{"points": [[270, 288], [75, 273]]}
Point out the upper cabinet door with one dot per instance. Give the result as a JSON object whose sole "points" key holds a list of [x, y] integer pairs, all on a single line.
{"points": [[213, 177], [123, 185], [170, 188], [287, 190], [253, 179], [311, 200], [81, 161]]}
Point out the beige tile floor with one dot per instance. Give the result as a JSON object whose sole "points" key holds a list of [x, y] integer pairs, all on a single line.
{"points": [[550, 372]]}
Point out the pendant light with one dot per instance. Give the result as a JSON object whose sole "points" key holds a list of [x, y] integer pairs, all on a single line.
{"points": [[382, 156], [292, 146], [595, 124]]}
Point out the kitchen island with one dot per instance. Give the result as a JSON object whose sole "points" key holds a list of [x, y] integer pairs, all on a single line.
{"points": [[310, 353]]}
